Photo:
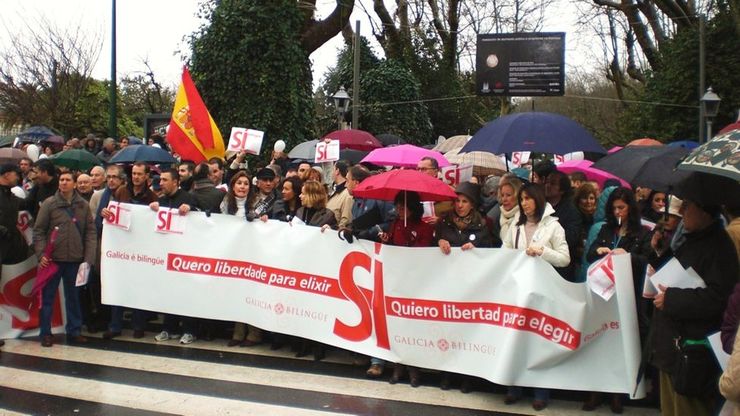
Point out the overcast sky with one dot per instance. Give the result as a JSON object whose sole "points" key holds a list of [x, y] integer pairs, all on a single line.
{"points": [[154, 30]]}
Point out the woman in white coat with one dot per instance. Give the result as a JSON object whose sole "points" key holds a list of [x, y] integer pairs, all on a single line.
{"points": [[539, 234]]}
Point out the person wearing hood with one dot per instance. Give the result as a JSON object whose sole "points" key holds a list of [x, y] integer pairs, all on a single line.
{"points": [[539, 234]]}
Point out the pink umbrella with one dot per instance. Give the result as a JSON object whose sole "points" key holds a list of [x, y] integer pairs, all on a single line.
{"points": [[614, 149], [44, 274], [354, 139], [405, 156], [593, 174]]}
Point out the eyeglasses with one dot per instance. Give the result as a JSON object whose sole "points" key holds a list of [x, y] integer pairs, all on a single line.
{"points": [[112, 177], [425, 169]]}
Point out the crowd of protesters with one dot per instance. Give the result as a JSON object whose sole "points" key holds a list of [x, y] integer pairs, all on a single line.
{"points": [[566, 220]]}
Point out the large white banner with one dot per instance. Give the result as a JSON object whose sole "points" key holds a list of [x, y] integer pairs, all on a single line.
{"points": [[493, 313]]}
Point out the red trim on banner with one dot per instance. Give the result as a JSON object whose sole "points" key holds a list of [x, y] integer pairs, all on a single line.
{"points": [[255, 272], [507, 316]]}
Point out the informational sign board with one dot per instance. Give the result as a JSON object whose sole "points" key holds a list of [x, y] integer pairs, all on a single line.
{"points": [[520, 64]]}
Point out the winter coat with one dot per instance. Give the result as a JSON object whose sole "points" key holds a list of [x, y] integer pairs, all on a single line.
{"points": [[549, 234], [178, 198], [207, 197], [476, 232], [412, 234], [729, 383], [76, 240], [340, 203], [570, 219], [694, 313], [733, 229], [316, 218], [369, 216], [13, 247]]}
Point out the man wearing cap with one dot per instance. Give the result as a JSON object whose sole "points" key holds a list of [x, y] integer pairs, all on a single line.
{"points": [[13, 248], [268, 203], [684, 316]]}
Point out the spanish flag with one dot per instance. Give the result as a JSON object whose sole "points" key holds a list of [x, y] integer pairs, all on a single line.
{"points": [[192, 133]]}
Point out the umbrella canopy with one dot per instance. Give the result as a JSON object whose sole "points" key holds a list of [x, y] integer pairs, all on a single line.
{"points": [[720, 156], [708, 189], [386, 185], [390, 139], [650, 166], [646, 141], [57, 140], [354, 139], [730, 127], [352, 156], [142, 153], [592, 174], [76, 159], [7, 141], [405, 156], [305, 150], [35, 134], [535, 132], [11, 155], [686, 144], [483, 163], [452, 143]]}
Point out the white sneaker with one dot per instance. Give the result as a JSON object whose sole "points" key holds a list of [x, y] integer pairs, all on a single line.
{"points": [[162, 336], [187, 338]]}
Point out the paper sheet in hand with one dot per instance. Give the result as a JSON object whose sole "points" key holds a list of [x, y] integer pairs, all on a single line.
{"points": [[83, 272], [649, 291], [715, 340], [672, 274]]}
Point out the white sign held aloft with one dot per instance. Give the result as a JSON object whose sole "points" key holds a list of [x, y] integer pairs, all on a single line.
{"points": [[558, 159], [245, 139], [169, 221], [455, 175], [120, 216], [519, 158], [327, 152]]}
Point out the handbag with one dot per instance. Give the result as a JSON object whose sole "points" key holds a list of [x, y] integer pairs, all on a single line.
{"points": [[695, 370]]}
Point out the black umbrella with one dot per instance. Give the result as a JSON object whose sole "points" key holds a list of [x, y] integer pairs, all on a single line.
{"points": [[352, 156], [390, 139], [707, 189], [142, 153], [76, 159], [649, 166]]}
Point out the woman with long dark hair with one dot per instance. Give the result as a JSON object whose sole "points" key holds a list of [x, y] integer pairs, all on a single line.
{"points": [[291, 192], [623, 233], [654, 207], [539, 234]]}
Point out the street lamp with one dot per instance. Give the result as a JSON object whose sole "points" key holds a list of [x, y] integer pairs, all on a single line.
{"points": [[710, 101], [341, 104]]}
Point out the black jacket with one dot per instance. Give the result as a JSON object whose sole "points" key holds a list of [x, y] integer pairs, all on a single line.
{"points": [[178, 198], [13, 247], [476, 232], [570, 219], [694, 313], [206, 196]]}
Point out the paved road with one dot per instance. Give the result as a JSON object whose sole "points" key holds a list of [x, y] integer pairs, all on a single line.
{"points": [[142, 377]]}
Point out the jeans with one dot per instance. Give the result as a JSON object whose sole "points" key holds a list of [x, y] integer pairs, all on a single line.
{"points": [[138, 320], [67, 273]]}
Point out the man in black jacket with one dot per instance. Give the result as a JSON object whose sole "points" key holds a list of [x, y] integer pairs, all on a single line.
{"points": [[13, 247], [45, 184], [206, 196], [175, 198], [691, 314]]}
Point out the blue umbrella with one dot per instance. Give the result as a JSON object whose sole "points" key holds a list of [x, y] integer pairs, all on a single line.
{"points": [[35, 134], [134, 140], [534, 132], [686, 144], [142, 153]]}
